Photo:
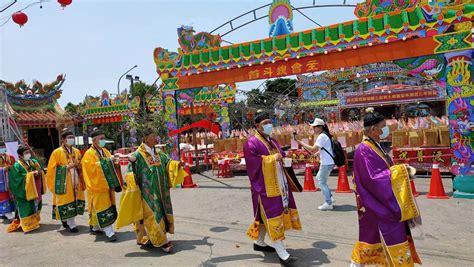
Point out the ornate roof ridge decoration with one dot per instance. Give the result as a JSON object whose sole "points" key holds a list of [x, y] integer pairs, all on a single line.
{"points": [[374, 7], [398, 25], [105, 106], [32, 98]]}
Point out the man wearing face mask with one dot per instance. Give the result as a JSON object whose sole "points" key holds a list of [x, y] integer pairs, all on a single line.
{"points": [[152, 172], [65, 181], [385, 202], [101, 184], [27, 185], [274, 207]]}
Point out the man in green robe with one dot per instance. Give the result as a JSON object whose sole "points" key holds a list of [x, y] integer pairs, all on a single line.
{"points": [[27, 185], [146, 202]]}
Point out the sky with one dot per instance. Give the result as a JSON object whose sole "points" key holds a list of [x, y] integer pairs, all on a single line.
{"points": [[94, 42]]}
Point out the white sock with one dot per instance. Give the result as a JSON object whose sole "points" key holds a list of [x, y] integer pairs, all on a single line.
{"points": [[279, 246], [261, 236], [353, 264], [109, 231], [96, 228], [10, 215], [71, 223]]}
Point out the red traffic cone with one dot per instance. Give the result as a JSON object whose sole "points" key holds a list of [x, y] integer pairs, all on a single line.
{"points": [[436, 184], [413, 189], [308, 180], [188, 180], [190, 158], [342, 181]]}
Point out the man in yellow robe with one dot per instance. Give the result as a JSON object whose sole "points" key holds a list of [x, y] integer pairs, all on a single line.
{"points": [[101, 182], [65, 181]]}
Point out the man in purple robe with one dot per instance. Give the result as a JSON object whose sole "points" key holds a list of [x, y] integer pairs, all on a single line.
{"points": [[385, 202], [274, 207]]}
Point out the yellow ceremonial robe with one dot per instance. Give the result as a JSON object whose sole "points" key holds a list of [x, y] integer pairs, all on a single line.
{"points": [[100, 198], [72, 202]]}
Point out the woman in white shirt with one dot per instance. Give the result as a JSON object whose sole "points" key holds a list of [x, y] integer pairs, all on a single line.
{"points": [[323, 147]]}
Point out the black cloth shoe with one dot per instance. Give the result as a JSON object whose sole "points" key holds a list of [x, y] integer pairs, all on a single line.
{"points": [[73, 230], [113, 238], [65, 225], [289, 261], [95, 232], [263, 248]]}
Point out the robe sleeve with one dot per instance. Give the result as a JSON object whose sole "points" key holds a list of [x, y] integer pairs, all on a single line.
{"points": [[54, 161], [373, 175], [93, 175], [16, 176], [261, 168]]}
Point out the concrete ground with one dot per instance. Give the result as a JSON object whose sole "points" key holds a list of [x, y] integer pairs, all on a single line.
{"points": [[211, 222]]}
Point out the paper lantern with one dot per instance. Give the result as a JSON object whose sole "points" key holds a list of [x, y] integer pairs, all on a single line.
{"points": [[20, 18], [64, 3]]}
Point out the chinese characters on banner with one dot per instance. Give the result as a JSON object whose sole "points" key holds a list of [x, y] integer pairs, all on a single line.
{"points": [[283, 69], [384, 97], [423, 158], [106, 120]]}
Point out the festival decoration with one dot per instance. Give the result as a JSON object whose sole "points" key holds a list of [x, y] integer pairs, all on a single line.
{"points": [[189, 41], [20, 18], [460, 108], [104, 109], [64, 3], [280, 18], [301, 52]]}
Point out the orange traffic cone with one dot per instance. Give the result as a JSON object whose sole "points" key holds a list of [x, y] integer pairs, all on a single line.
{"points": [[190, 158], [413, 189], [343, 182], [436, 184], [188, 180], [308, 180]]}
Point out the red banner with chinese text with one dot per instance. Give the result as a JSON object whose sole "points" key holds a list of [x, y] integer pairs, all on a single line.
{"points": [[423, 158]]}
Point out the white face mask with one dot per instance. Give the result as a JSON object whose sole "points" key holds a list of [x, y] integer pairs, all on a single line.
{"points": [[27, 156], [70, 141]]}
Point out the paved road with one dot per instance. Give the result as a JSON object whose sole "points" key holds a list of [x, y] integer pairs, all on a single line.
{"points": [[211, 222]]}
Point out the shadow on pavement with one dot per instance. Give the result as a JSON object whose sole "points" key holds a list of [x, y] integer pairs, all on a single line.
{"points": [[178, 245], [309, 256], [344, 208], [268, 257], [224, 187], [121, 237], [45, 228], [82, 230], [219, 229]]}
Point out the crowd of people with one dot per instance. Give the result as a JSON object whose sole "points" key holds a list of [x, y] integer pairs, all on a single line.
{"points": [[385, 203]]}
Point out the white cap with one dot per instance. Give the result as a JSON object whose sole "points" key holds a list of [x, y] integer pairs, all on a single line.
{"points": [[317, 122]]}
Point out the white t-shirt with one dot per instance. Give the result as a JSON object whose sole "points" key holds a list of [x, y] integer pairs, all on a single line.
{"points": [[323, 141]]}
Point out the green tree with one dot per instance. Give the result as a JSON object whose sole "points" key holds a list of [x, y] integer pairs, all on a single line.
{"points": [[71, 108]]}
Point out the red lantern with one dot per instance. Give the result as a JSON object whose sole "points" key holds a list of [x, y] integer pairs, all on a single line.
{"points": [[64, 3], [20, 18]]}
